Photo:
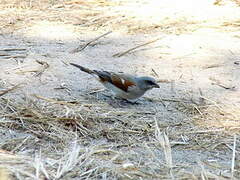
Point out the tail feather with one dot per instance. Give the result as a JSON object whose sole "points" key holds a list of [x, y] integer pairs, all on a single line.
{"points": [[102, 75], [89, 71]]}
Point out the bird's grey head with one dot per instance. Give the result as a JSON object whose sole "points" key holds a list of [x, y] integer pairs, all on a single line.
{"points": [[147, 83]]}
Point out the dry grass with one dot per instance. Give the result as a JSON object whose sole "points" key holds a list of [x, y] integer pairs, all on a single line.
{"points": [[222, 116], [45, 138], [90, 15], [64, 135]]}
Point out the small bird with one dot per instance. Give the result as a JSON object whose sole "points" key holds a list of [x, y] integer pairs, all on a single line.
{"points": [[125, 86]]}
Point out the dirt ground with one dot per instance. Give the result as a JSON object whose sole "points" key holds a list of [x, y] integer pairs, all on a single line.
{"points": [[59, 123]]}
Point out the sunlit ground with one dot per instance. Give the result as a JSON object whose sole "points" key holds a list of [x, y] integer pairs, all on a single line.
{"points": [[143, 14], [198, 32], [51, 31], [195, 32], [197, 54]]}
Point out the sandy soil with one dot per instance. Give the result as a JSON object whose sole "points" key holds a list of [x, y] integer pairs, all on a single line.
{"points": [[196, 60]]}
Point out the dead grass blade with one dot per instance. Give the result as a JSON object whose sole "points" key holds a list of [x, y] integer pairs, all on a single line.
{"points": [[233, 155], [53, 100], [10, 89], [221, 84], [136, 47], [13, 49], [40, 167], [82, 47], [45, 66], [224, 116], [8, 53], [165, 144], [69, 161]]}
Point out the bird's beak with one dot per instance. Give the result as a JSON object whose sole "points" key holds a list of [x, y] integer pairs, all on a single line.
{"points": [[156, 86]]}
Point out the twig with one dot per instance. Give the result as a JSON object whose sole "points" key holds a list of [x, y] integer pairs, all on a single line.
{"points": [[166, 99], [164, 81], [138, 46], [42, 63], [63, 86], [237, 62], [54, 101], [27, 71], [61, 102], [45, 66], [226, 87], [4, 55], [38, 71], [9, 90], [65, 63], [155, 73], [171, 100], [208, 66], [234, 154], [12, 56], [82, 47], [96, 91], [13, 49], [218, 83]]}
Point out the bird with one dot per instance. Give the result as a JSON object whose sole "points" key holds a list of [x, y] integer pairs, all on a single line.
{"points": [[124, 86]]}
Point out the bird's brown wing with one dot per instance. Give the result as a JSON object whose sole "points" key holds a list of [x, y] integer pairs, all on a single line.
{"points": [[120, 81]]}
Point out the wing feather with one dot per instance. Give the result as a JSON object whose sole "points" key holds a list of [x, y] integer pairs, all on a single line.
{"points": [[121, 82]]}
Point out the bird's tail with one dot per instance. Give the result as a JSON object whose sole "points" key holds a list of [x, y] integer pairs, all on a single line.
{"points": [[89, 71]]}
